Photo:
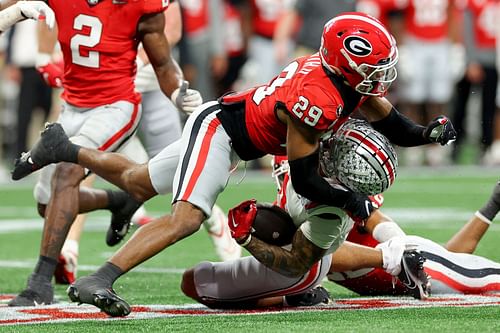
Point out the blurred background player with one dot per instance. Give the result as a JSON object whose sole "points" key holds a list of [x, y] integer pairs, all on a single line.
{"points": [[479, 30], [427, 50], [303, 23], [95, 113], [202, 50]]}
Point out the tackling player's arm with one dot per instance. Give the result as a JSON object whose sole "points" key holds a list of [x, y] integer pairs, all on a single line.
{"points": [[151, 32], [294, 262], [402, 131]]}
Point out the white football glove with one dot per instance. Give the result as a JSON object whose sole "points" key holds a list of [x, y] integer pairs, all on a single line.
{"points": [[37, 10], [392, 252], [186, 100]]}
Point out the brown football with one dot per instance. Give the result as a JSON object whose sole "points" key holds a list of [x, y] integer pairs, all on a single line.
{"points": [[273, 225]]}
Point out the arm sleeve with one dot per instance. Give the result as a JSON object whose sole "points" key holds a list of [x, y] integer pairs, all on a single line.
{"points": [[400, 130], [307, 182]]}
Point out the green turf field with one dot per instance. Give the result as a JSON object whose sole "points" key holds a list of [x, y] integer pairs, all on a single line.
{"points": [[433, 204]]}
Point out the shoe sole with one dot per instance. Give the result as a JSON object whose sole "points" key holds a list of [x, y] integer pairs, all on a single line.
{"points": [[110, 304]]}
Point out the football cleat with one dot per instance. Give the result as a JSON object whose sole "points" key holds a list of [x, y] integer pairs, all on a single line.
{"points": [[52, 143], [413, 275], [314, 296], [121, 220], [220, 234], [39, 291], [67, 264], [93, 290]]}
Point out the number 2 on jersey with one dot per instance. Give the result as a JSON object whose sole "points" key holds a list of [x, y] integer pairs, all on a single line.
{"points": [[89, 40]]}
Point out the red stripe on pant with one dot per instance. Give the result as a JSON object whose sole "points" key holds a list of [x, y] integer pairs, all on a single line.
{"points": [[118, 135], [311, 276], [495, 286], [202, 158]]}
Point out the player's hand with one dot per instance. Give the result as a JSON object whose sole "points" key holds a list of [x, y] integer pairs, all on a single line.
{"points": [[440, 130], [37, 10], [186, 100], [52, 73], [241, 218], [359, 206]]}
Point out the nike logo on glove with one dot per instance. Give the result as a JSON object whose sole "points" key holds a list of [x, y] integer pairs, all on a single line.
{"points": [[235, 225]]}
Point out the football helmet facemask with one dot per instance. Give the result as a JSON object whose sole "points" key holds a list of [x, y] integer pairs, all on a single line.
{"points": [[358, 47], [280, 168], [360, 158]]}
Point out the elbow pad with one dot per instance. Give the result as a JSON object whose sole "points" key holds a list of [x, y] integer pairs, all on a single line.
{"points": [[400, 130], [307, 182]]}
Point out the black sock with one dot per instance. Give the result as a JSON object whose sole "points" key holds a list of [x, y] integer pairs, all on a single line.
{"points": [[109, 272], [116, 199], [45, 267], [72, 153], [490, 210]]}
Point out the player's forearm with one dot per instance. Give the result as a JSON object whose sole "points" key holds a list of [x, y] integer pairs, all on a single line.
{"points": [[169, 76], [47, 39], [292, 263]]}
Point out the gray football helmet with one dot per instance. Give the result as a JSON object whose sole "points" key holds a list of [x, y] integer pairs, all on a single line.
{"points": [[359, 157]]}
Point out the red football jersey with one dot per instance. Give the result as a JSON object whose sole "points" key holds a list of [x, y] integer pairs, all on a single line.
{"points": [[484, 13], [265, 15], [99, 46], [380, 9], [427, 19], [306, 92], [195, 16]]}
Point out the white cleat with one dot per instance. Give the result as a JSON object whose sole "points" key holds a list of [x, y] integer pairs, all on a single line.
{"points": [[218, 230]]}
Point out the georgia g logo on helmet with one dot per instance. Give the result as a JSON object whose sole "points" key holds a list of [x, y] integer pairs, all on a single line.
{"points": [[357, 46]]}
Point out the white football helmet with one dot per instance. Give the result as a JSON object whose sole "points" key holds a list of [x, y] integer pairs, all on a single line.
{"points": [[359, 157]]}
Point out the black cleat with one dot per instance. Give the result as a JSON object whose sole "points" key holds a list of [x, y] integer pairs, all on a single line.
{"points": [[121, 219], [50, 148], [413, 275], [93, 290], [39, 291], [311, 297]]}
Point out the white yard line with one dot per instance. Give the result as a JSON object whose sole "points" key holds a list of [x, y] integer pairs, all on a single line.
{"points": [[91, 268]]}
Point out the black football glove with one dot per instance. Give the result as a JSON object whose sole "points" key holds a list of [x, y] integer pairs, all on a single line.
{"points": [[440, 130], [359, 206]]}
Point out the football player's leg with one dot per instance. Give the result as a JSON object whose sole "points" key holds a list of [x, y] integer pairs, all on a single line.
{"points": [[246, 283], [467, 238], [59, 215], [220, 234], [460, 273], [201, 174]]}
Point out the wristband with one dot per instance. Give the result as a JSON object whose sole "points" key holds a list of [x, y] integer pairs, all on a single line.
{"points": [[42, 59], [246, 241]]}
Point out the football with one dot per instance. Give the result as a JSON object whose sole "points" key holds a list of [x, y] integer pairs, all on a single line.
{"points": [[273, 225]]}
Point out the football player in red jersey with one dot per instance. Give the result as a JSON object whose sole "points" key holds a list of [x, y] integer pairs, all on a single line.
{"points": [[99, 41], [315, 94]]}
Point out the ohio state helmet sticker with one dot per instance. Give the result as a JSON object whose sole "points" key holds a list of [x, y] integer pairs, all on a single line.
{"points": [[358, 46]]}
